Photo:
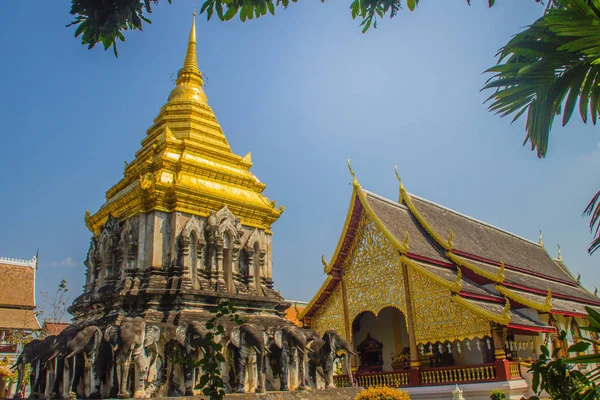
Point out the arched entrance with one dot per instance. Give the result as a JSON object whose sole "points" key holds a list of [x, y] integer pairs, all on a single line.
{"points": [[381, 341]]}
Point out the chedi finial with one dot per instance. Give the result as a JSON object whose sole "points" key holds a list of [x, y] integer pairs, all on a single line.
{"points": [[540, 240]]}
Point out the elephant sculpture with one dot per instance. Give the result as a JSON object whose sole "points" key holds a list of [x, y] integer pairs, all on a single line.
{"points": [[35, 353], [191, 338], [132, 340], [323, 352], [249, 339], [83, 347], [288, 348]]}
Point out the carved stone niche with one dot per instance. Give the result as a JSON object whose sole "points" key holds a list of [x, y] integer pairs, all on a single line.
{"points": [[91, 263], [190, 254], [107, 250], [225, 232], [128, 248], [256, 253]]}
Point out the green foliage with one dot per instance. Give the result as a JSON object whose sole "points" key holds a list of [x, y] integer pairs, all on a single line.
{"points": [[103, 21], [497, 394], [545, 71], [211, 382], [557, 375], [547, 68]]}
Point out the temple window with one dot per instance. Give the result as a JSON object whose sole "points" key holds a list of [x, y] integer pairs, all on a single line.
{"points": [[243, 262]]}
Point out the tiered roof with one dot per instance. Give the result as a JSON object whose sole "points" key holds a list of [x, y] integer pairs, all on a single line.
{"points": [[17, 294], [185, 163], [489, 270]]}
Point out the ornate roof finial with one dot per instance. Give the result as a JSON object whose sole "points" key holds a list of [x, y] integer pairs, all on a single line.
{"points": [[596, 291], [400, 182], [540, 241], [559, 257], [578, 277], [354, 181], [506, 310], [450, 238], [501, 272], [547, 302], [325, 266], [457, 281], [189, 77]]}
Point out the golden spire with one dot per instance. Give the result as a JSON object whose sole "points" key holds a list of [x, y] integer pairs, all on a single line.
{"points": [[540, 240], [191, 58], [189, 77], [559, 256]]}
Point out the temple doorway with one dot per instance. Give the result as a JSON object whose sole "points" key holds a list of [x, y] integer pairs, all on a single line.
{"points": [[381, 342]]}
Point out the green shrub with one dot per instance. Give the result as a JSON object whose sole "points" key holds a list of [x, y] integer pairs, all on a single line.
{"points": [[497, 394]]}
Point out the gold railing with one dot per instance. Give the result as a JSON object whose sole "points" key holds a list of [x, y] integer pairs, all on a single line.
{"points": [[471, 373], [391, 379], [341, 381], [515, 370]]}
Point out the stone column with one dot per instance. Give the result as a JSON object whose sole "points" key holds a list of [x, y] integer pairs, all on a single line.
{"points": [[251, 283], [221, 286], [184, 250], [414, 377], [501, 364]]}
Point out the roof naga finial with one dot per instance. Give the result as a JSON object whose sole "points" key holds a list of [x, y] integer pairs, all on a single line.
{"points": [[578, 277], [457, 282], [540, 240], [506, 310], [400, 182], [325, 266], [596, 291], [354, 181], [501, 272], [450, 238], [559, 257], [547, 300]]}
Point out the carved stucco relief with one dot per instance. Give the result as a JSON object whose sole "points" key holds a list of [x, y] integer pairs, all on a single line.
{"points": [[331, 314], [437, 318]]}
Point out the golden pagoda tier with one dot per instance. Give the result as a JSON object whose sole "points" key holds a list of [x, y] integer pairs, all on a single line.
{"points": [[186, 164]]}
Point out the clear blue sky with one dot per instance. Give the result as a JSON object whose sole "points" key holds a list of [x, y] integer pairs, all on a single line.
{"points": [[303, 91]]}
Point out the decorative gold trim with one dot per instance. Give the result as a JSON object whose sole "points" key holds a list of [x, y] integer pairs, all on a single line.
{"points": [[315, 297], [503, 319], [498, 278], [404, 196], [455, 286], [546, 306]]}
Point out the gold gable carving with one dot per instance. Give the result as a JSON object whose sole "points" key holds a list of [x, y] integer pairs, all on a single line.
{"points": [[373, 275]]}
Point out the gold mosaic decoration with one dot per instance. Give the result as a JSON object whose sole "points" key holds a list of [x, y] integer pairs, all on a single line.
{"points": [[373, 276], [437, 318], [331, 314]]}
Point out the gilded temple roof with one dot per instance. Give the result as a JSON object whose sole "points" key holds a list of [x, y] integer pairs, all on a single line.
{"points": [[489, 270], [186, 164]]}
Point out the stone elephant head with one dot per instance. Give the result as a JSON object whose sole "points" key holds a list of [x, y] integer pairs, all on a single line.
{"points": [[249, 339], [287, 348], [323, 353], [131, 341], [191, 338]]}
